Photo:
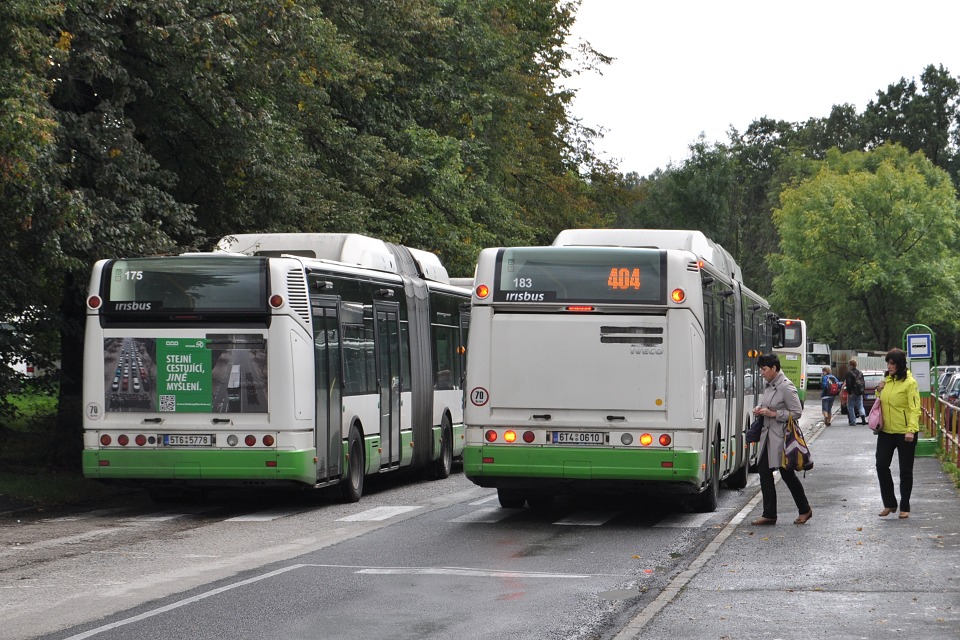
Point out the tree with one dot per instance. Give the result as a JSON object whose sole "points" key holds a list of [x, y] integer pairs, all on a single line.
{"points": [[868, 246]]}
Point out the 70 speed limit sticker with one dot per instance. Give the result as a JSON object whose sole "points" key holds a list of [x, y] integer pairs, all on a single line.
{"points": [[479, 396]]}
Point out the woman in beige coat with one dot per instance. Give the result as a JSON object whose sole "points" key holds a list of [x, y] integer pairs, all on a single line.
{"points": [[780, 401]]}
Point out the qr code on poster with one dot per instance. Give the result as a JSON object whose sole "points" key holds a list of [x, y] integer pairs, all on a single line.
{"points": [[168, 403]]}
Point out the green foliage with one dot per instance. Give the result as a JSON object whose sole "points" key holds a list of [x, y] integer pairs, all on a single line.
{"points": [[868, 246]]}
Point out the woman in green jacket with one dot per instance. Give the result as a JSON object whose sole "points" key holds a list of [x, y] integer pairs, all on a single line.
{"points": [[900, 403]]}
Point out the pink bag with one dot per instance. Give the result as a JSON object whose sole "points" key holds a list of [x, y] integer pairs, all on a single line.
{"points": [[875, 419]]}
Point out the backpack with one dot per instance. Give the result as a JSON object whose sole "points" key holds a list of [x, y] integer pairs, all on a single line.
{"points": [[858, 379], [832, 388]]}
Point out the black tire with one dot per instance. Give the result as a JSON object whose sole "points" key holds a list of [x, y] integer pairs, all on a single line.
{"points": [[738, 479], [351, 484], [511, 498], [706, 501], [441, 467]]}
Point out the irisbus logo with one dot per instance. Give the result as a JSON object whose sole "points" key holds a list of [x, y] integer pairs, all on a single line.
{"points": [[646, 351], [132, 306]]}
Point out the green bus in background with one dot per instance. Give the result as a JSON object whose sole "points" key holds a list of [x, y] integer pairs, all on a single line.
{"points": [[793, 354]]}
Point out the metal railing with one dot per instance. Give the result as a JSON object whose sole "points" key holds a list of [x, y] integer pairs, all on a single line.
{"points": [[941, 420]]}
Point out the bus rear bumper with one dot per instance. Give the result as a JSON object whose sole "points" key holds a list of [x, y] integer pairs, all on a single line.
{"points": [[201, 466], [540, 467]]}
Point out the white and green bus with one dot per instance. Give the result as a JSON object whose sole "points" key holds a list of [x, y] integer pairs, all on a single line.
{"points": [[616, 359], [278, 359], [791, 348]]}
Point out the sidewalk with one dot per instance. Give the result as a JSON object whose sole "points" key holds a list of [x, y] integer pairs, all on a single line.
{"points": [[847, 573]]}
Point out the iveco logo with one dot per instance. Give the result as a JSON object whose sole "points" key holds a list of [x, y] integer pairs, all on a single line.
{"points": [[647, 351]]}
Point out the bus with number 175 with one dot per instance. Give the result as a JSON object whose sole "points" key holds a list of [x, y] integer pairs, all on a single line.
{"points": [[305, 360], [616, 359]]}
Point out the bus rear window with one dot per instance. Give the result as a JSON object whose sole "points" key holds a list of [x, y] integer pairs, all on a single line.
{"points": [[142, 286], [581, 274]]}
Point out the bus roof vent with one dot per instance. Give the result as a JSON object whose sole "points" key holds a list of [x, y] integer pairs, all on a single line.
{"points": [[297, 290], [347, 248], [430, 266], [679, 239]]}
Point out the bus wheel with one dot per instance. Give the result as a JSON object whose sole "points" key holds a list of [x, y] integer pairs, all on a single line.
{"points": [[440, 468], [706, 501], [351, 485], [511, 498]]}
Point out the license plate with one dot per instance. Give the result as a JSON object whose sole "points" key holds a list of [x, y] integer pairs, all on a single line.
{"points": [[183, 440], [577, 437]]}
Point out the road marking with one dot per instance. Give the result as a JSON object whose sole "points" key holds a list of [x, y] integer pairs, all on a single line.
{"points": [[266, 516], [54, 542], [588, 518], [85, 516], [397, 570], [473, 573], [489, 514], [377, 513]]}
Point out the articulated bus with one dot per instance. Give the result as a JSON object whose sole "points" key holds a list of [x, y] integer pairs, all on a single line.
{"points": [[791, 348], [613, 360], [277, 359]]}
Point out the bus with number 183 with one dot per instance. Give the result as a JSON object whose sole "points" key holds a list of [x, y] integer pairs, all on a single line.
{"points": [[616, 359]]}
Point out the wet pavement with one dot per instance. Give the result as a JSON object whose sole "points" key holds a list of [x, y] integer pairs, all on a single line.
{"points": [[847, 573]]}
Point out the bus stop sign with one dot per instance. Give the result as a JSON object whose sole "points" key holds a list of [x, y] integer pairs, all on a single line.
{"points": [[918, 345]]}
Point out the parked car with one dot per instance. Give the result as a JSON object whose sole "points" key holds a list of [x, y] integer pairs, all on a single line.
{"points": [[945, 378], [871, 379]]}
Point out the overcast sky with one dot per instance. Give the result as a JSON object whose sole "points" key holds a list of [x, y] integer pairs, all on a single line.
{"points": [[686, 67]]}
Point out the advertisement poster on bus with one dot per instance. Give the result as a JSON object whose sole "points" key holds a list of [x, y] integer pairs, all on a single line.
{"points": [[212, 374]]}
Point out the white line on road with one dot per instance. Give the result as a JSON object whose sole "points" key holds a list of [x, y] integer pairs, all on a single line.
{"points": [[489, 515], [377, 513], [267, 515]]}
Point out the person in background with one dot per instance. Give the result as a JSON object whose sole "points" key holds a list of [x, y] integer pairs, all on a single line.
{"points": [[780, 401], [899, 399], [826, 399], [855, 387]]}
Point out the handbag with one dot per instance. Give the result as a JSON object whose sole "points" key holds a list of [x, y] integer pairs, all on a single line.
{"points": [[756, 427], [875, 418], [796, 453]]}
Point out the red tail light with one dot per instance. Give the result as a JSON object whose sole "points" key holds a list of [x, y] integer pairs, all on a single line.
{"points": [[105, 440], [250, 441], [268, 440], [123, 440], [490, 436], [665, 440]]}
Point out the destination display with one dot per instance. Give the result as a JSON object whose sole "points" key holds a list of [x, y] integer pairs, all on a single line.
{"points": [[581, 274]]}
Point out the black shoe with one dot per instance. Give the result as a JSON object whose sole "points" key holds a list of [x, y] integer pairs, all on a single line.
{"points": [[863, 421]]}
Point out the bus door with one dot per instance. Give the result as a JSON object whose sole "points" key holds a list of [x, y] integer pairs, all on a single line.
{"points": [[388, 379], [326, 344]]}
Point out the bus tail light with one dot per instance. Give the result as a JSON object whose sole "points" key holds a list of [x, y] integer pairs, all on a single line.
{"points": [[678, 295], [510, 436], [276, 301], [123, 440], [580, 308], [665, 439], [268, 440], [94, 302], [105, 440], [482, 291], [490, 435], [528, 437], [250, 441], [646, 439], [141, 440]]}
